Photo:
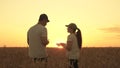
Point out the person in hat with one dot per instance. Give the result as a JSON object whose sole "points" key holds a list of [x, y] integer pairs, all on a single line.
{"points": [[37, 39], [73, 45]]}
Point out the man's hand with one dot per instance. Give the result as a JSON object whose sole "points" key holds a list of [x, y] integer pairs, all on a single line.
{"points": [[44, 41]]}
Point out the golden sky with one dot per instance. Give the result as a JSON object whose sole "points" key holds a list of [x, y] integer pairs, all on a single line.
{"points": [[99, 21]]}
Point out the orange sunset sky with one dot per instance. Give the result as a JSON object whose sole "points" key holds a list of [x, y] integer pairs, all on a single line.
{"points": [[99, 21]]}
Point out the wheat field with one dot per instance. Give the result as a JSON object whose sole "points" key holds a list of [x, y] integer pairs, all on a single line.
{"points": [[89, 58]]}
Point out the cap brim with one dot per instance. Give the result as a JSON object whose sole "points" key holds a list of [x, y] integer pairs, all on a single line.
{"points": [[48, 21], [66, 25]]}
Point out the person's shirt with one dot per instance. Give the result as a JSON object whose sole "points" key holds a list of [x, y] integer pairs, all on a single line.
{"points": [[73, 53], [36, 48]]}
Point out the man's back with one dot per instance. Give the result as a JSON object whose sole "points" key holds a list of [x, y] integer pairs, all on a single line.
{"points": [[36, 48]]}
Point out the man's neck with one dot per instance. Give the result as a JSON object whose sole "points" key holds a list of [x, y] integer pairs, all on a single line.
{"points": [[40, 23]]}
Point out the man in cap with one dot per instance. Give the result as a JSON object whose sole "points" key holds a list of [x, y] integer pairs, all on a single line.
{"points": [[37, 39]]}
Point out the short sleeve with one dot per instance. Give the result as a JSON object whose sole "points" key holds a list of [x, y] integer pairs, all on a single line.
{"points": [[44, 32], [69, 38]]}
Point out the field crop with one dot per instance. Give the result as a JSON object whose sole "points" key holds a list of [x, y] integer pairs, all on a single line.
{"points": [[89, 58]]}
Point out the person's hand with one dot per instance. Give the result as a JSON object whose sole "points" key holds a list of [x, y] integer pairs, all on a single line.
{"points": [[47, 42], [58, 44], [61, 44]]}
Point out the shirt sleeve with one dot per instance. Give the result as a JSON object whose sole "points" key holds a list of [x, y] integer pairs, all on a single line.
{"points": [[44, 32], [69, 38]]}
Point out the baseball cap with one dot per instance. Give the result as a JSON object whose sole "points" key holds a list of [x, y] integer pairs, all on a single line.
{"points": [[72, 26], [43, 17]]}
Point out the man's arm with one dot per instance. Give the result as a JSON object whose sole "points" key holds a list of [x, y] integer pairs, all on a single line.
{"points": [[44, 41]]}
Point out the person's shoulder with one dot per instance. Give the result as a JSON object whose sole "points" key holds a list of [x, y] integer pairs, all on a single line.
{"points": [[31, 27], [70, 36], [41, 26]]}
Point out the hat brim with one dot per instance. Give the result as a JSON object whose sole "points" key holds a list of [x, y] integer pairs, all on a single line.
{"points": [[48, 21], [67, 25]]}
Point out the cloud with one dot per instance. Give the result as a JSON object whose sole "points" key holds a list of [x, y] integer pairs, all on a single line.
{"points": [[114, 29], [118, 36], [111, 29]]}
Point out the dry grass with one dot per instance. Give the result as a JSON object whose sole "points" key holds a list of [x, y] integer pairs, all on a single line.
{"points": [[89, 58]]}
